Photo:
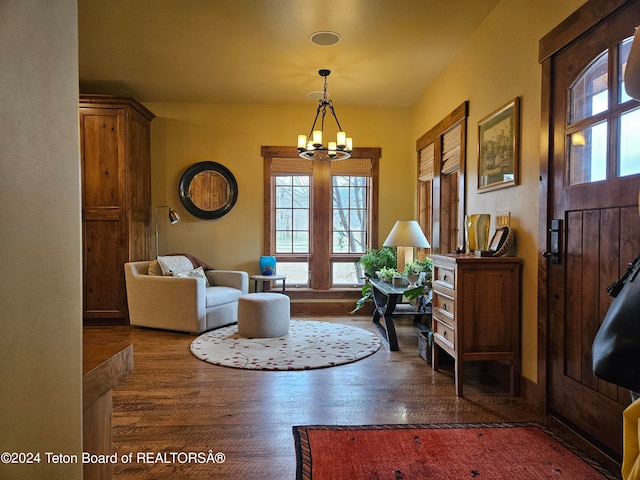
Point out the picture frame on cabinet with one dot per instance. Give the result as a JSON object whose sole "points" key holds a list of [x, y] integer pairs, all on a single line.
{"points": [[499, 148], [499, 237]]}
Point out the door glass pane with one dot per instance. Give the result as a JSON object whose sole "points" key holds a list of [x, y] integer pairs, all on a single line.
{"points": [[629, 162], [589, 94], [588, 154], [346, 274], [297, 272], [623, 55]]}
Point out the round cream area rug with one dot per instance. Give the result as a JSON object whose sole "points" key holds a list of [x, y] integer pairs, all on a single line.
{"points": [[310, 344]]}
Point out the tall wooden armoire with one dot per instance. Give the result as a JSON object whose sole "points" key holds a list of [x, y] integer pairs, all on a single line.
{"points": [[116, 200]]}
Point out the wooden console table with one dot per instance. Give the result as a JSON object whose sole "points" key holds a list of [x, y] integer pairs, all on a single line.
{"points": [[476, 312], [103, 367]]}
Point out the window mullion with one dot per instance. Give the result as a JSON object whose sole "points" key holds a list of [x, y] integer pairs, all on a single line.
{"points": [[612, 131], [321, 227]]}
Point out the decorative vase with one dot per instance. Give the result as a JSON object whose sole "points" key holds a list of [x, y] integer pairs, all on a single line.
{"points": [[267, 265], [476, 228], [413, 280]]}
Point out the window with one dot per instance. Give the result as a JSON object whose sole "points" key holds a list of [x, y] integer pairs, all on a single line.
{"points": [[604, 122], [441, 185], [320, 217], [350, 221], [292, 195]]}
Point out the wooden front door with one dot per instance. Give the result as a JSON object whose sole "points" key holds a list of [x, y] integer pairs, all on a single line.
{"points": [[594, 180]]}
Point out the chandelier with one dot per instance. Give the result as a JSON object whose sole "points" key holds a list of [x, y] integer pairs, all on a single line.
{"points": [[311, 147]]}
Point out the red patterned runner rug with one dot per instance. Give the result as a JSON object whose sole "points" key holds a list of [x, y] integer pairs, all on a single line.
{"points": [[490, 451]]}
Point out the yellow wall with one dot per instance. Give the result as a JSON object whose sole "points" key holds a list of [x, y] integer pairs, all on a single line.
{"points": [[40, 289], [498, 63], [184, 134]]}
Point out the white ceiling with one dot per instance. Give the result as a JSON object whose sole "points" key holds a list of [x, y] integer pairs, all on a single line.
{"points": [[259, 52]]}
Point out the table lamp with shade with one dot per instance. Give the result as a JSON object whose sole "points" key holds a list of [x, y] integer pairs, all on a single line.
{"points": [[406, 235]]}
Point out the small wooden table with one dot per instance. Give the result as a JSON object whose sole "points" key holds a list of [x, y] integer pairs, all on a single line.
{"points": [[266, 279], [387, 300]]}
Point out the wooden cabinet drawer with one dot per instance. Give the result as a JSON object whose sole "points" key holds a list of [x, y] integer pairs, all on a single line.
{"points": [[444, 332], [444, 275], [443, 302]]}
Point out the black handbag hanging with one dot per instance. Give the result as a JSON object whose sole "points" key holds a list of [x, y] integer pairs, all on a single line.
{"points": [[616, 346]]}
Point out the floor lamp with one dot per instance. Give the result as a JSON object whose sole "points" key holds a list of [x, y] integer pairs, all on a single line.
{"points": [[406, 234], [174, 217]]}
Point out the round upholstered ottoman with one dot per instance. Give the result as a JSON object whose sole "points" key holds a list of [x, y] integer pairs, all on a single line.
{"points": [[263, 315]]}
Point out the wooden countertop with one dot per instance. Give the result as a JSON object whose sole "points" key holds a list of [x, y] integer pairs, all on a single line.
{"points": [[103, 366]]}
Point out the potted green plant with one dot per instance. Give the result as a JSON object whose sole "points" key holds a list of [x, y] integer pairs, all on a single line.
{"points": [[386, 274], [367, 296], [413, 268], [427, 267], [413, 271], [374, 260]]}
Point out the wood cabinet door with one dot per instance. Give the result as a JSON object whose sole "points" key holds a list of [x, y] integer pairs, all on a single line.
{"points": [[103, 212]]}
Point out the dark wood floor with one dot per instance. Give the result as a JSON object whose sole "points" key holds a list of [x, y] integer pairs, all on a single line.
{"points": [[173, 402]]}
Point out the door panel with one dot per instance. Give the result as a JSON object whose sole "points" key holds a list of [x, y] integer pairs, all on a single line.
{"points": [[599, 212]]}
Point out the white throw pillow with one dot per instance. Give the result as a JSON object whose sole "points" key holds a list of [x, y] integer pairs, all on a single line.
{"points": [[171, 264], [195, 273]]}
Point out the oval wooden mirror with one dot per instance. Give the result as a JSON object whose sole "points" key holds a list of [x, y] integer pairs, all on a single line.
{"points": [[208, 190]]}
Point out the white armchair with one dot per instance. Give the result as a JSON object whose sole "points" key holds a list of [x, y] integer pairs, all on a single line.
{"points": [[183, 304]]}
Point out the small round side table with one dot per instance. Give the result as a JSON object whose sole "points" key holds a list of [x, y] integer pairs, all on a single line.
{"points": [[266, 279]]}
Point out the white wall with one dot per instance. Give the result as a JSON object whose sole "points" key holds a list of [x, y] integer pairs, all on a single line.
{"points": [[40, 286]]}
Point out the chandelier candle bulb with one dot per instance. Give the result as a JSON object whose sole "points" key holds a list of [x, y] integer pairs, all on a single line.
{"points": [[332, 148], [342, 139], [317, 138], [349, 144], [302, 142]]}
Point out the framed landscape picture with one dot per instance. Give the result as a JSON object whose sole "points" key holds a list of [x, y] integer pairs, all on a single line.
{"points": [[498, 148]]}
